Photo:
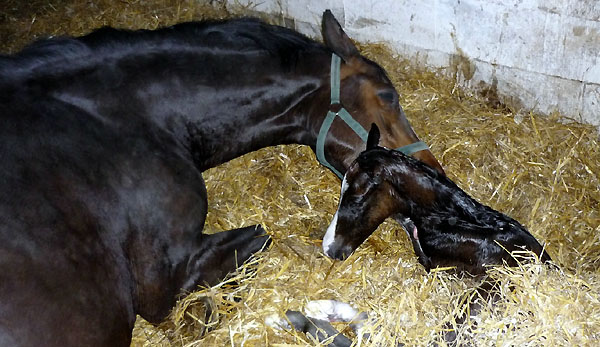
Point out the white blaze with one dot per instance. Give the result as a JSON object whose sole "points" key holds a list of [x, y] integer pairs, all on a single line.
{"points": [[330, 234]]}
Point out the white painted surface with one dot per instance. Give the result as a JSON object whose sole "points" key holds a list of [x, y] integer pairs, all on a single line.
{"points": [[544, 53]]}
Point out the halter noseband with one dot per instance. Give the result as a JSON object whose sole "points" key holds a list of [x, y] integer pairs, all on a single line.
{"points": [[336, 109]]}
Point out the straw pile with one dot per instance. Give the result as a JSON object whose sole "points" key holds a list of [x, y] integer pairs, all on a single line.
{"points": [[543, 172]]}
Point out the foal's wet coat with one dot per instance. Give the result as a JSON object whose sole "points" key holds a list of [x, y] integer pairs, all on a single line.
{"points": [[446, 226]]}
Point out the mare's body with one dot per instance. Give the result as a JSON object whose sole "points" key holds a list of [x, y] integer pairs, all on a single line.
{"points": [[103, 141]]}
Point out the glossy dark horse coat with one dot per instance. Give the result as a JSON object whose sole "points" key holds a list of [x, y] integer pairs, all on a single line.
{"points": [[447, 227], [103, 140]]}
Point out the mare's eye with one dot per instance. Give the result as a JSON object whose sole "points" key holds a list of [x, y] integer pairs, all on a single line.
{"points": [[387, 97]]}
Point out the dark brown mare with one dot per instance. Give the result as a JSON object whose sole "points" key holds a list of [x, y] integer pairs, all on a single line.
{"points": [[103, 140]]}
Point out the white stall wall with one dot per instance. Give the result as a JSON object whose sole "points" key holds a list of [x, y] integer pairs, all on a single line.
{"points": [[540, 54]]}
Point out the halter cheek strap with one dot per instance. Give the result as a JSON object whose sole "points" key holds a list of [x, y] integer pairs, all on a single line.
{"points": [[347, 118]]}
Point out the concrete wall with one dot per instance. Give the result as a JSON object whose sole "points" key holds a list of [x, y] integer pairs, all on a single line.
{"points": [[540, 54]]}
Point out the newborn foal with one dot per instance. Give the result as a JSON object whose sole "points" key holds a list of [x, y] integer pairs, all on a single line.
{"points": [[446, 226]]}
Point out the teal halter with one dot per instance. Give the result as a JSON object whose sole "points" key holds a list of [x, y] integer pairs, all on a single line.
{"points": [[351, 122]]}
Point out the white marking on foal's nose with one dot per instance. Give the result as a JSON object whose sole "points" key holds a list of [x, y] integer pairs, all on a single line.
{"points": [[344, 187], [330, 234]]}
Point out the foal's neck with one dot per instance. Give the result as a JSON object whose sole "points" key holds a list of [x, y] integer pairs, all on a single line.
{"points": [[426, 193]]}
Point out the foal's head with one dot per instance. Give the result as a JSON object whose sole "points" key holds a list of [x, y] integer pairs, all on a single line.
{"points": [[369, 96], [446, 226]]}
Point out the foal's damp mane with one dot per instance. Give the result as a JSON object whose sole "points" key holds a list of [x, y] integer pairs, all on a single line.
{"points": [[394, 165]]}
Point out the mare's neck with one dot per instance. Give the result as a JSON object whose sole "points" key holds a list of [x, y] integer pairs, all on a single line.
{"points": [[216, 106], [248, 107]]}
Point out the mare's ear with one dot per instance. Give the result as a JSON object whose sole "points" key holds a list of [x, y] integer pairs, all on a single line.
{"points": [[336, 39], [373, 138]]}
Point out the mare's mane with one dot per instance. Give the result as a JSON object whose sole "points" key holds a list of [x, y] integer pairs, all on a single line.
{"points": [[57, 54]]}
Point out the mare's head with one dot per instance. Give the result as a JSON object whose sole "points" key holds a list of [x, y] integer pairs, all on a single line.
{"points": [[369, 96], [446, 226]]}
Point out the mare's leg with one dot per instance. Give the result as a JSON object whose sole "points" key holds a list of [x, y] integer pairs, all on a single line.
{"points": [[223, 252], [59, 299]]}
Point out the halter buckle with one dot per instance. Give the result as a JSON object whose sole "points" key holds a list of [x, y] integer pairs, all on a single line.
{"points": [[335, 107]]}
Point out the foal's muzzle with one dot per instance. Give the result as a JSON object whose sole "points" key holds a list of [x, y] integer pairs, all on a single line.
{"points": [[338, 252]]}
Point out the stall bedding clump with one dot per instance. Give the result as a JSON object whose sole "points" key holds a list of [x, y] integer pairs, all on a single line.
{"points": [[542, 171]]}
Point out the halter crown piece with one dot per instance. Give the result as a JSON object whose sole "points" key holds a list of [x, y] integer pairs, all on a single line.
{"points": [[347, 118]]}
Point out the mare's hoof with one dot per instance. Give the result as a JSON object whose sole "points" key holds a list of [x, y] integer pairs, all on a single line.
{"points": [[223, 252]]}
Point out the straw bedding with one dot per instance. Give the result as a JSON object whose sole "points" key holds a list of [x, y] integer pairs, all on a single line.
{"points": [[542, 171]]}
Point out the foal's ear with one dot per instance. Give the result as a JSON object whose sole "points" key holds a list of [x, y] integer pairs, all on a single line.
{"points": [[373, 138], [336, 39]]}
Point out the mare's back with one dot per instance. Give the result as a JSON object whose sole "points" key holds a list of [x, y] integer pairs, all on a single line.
{"points": [[61, 55]]}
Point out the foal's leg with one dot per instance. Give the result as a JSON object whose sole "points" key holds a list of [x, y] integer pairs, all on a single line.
{"points": [[320, 329], [317, 319], [223, 252], [486, 292]]}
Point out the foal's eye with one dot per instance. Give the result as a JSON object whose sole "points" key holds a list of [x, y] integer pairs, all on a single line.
{"points": [[387, 97]]}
